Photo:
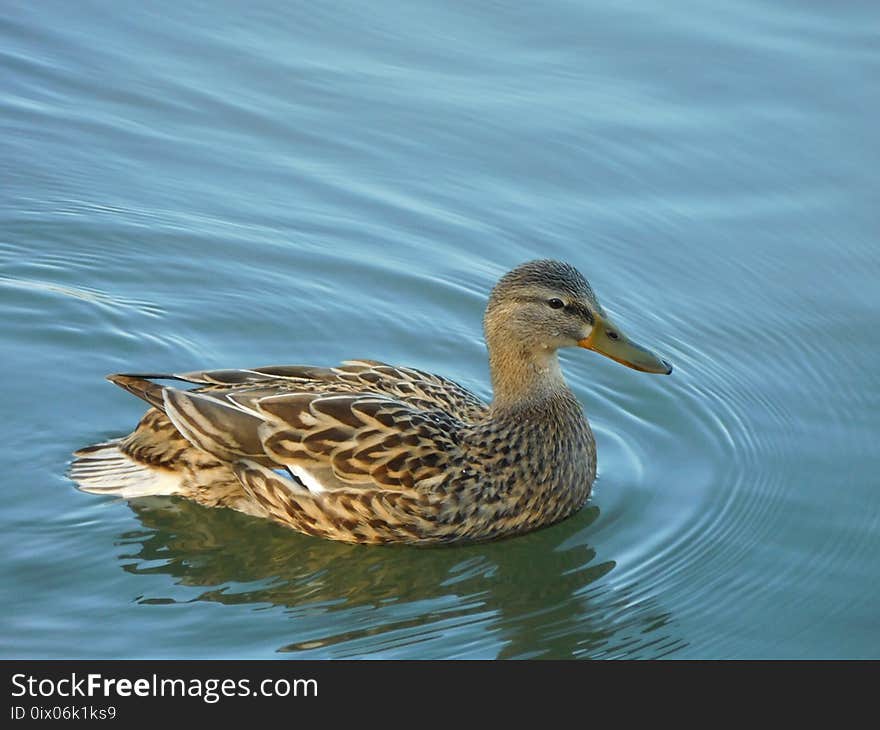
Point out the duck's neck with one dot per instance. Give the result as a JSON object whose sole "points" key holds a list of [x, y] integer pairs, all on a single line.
{"points": [[523, 379]]}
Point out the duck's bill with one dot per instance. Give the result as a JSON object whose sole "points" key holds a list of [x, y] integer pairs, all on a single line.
{"points": [[607, 339]]}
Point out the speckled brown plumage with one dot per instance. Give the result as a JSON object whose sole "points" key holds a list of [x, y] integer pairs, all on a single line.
{"points": [[370, 453]]}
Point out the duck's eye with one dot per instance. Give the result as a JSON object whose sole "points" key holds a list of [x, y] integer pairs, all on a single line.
{"points": [[613, 335], [556, 303]]}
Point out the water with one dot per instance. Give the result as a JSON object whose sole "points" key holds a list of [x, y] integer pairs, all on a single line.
{"points": [[189, 185]]}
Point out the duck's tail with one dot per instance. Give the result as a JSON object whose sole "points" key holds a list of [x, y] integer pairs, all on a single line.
{"points": [[105, 469]]}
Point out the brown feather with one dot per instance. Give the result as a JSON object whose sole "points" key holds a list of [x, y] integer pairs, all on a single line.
{"points": [[378, 453]]}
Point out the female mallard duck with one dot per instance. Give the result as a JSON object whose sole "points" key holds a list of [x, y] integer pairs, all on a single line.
{"points": [[370, 453]]}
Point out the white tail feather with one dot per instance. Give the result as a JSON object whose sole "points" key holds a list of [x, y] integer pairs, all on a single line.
{"points": [[104, 469]]}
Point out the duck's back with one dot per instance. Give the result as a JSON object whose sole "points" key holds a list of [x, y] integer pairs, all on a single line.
{"points": [[176, 453]]}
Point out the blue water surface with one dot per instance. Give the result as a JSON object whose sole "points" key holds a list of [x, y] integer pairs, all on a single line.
{"points": [[187, 185]]}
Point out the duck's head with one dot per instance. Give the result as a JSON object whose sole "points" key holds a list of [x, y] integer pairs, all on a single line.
{"points": [[543, 305]]}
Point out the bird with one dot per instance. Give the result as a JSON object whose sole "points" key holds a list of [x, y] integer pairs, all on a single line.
{"points": [[371, 453]]}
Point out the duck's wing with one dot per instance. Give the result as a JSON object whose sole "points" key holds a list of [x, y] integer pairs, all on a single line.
{"points": [[327, 442], [416, 388], [354, 467], [362, 452]]}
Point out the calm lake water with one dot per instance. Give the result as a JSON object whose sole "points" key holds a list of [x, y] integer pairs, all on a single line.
{"points": [[190, 184]]}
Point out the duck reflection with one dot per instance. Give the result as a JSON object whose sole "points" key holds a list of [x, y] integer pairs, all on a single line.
{"points": [[528, 597]]}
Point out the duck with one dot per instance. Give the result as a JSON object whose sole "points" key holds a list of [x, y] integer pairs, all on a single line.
{"points": [[371, 453]]}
